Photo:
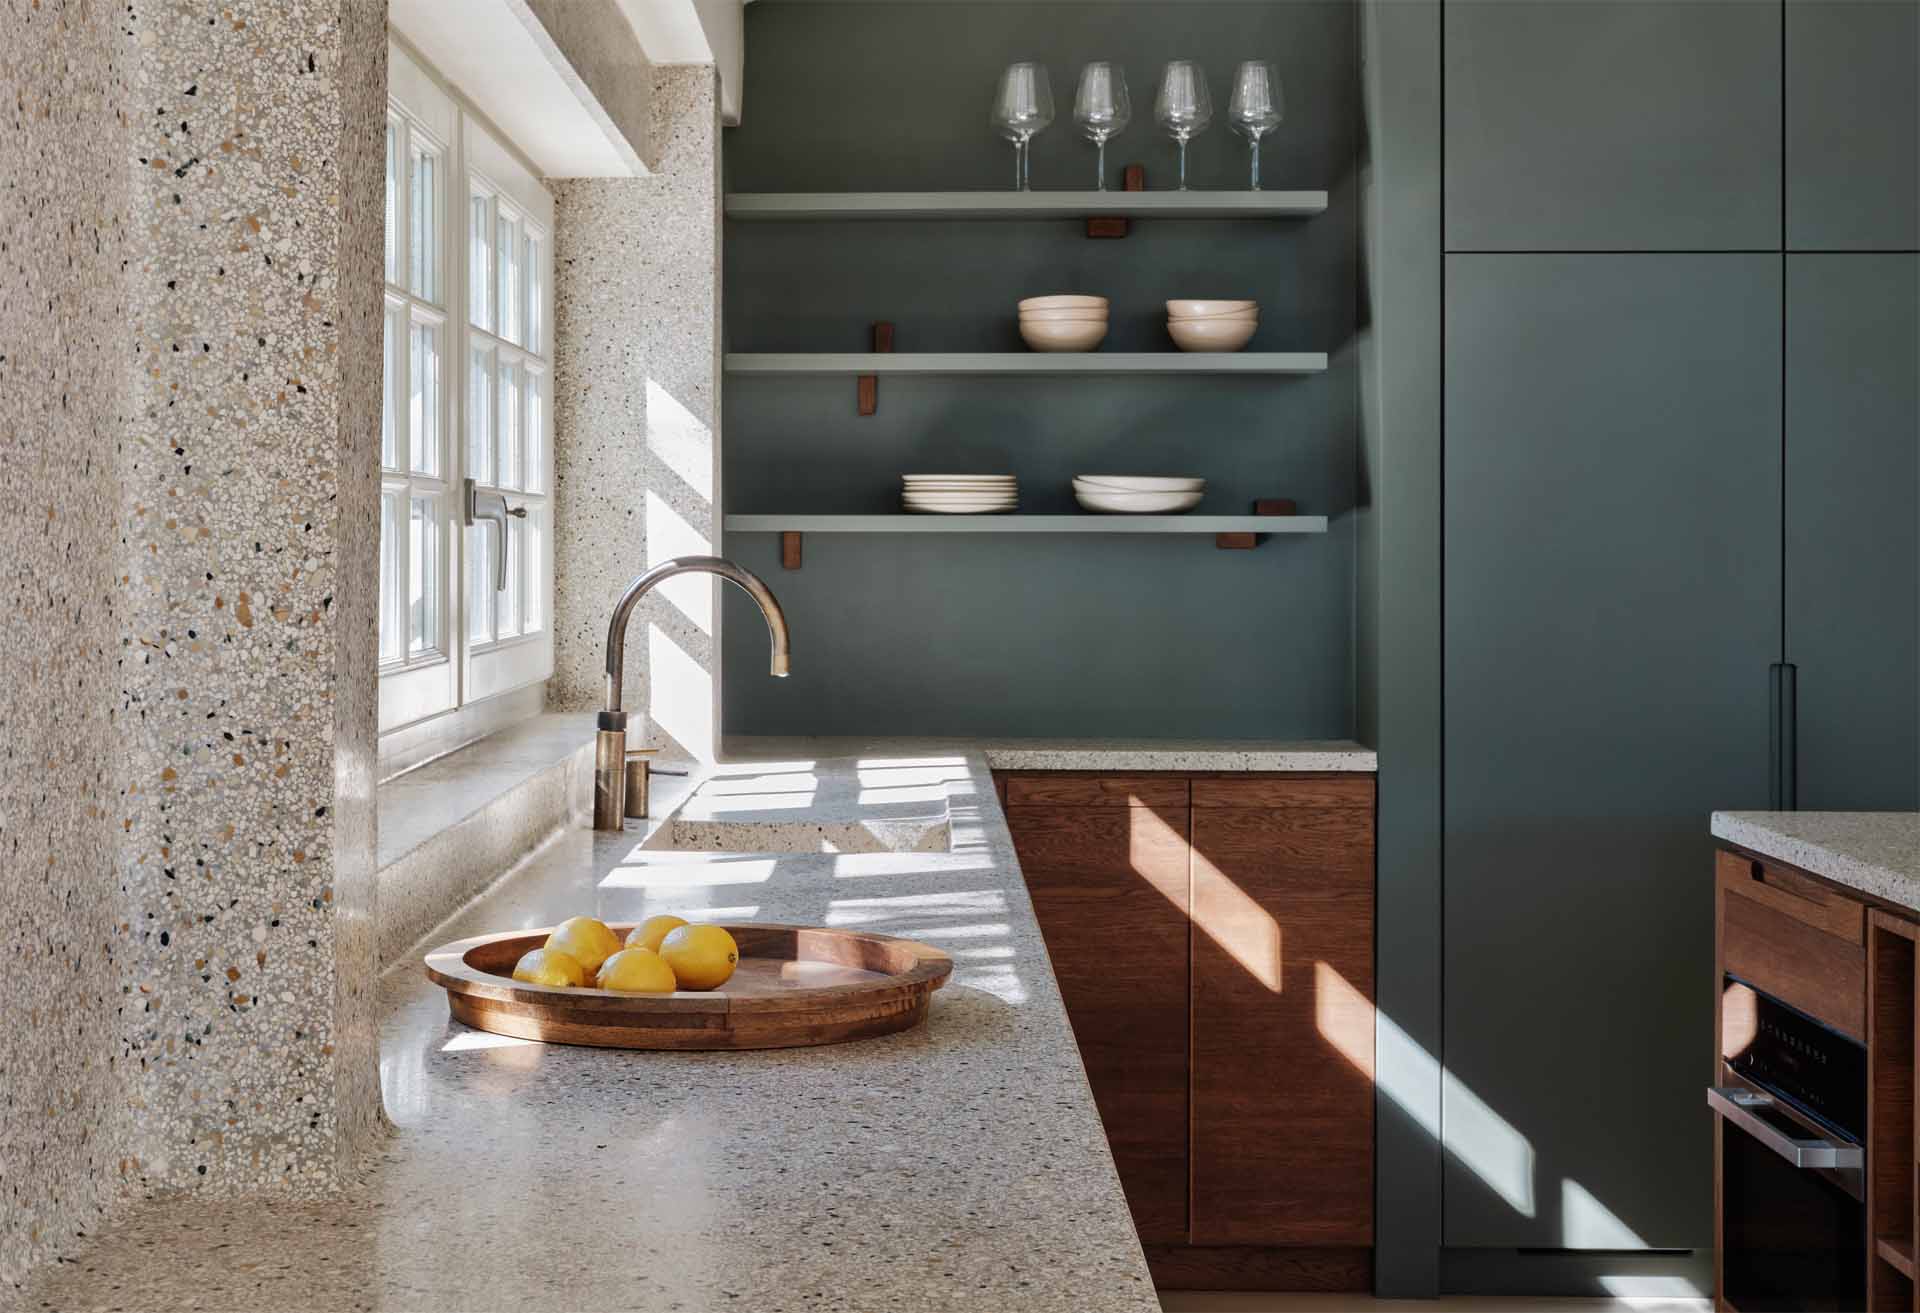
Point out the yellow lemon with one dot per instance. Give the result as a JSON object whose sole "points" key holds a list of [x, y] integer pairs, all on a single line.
{"points": [[585, 940], [636, 971], [550, 966], [702, 956], [651, 931]]}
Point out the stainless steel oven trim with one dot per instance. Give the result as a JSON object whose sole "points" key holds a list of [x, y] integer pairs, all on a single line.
{"points": [[1840, 1161]]}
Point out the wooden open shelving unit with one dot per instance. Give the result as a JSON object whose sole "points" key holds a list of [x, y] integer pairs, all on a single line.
{"points": [[1892, 1150]]}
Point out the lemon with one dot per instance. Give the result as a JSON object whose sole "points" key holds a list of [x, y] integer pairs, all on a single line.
{"points": [[636, 971], [702, 956], [549, 966], [651, 931], [585, 940]]}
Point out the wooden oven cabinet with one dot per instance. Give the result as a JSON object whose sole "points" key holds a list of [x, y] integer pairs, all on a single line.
{"points": [[1213, 939], [1847, 960]]}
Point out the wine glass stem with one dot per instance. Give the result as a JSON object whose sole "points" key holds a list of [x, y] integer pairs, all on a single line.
{"points": [[1100, 165], [1026, 164], [1256, 164], [1016, 164], [1183, 164]]}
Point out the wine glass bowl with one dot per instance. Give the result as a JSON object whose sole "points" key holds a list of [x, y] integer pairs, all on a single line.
{"points": [[1256, 109], [1102, 108], [1184, 107], [1022, 108]]}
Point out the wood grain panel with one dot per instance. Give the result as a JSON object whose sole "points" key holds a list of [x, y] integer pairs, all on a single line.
{"points": [[1109, 887], [1823, 975], [1283, 1040], [1297, 790], [1076, 789], [1890, 1112], [1798, 896], [1260, 1267]]}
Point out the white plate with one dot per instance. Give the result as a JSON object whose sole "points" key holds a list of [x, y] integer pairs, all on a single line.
{"points": [[1138, 503], [958, 478], [1138, 483], [941, 503], [957, 510], [957, 485]]}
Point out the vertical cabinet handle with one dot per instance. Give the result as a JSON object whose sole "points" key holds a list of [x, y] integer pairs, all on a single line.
{"points": [[1783, 748]]}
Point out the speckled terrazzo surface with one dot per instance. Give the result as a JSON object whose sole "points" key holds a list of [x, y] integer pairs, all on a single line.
{"points": [[636, 463], [957, 1166], [1875, 852], [1102, 754], [190, 238]]}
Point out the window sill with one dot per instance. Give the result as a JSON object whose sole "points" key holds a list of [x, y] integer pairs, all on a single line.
{"points": [[451, 827]]}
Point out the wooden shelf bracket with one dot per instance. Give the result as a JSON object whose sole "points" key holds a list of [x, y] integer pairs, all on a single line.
{"points": [[789, 550], [867, 389], [1132, 178], [1243, 542]]}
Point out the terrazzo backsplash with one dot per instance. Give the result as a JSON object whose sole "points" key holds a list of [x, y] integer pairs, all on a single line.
{"points": [[636, 400], [189, 403]]}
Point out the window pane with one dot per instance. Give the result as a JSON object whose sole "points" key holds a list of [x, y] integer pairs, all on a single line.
{"points": [[507, 247], [423, 576], [392, 547], [389, 383], [480, 582], [423, 405], [533, 603], [479, 415], [536, 291], [393, 201], [509, 598], [509, 425], [425, 200], [536, 435], [479, 276]]}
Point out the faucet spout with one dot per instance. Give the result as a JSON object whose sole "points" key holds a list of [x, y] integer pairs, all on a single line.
{"points": [[610, 760]]}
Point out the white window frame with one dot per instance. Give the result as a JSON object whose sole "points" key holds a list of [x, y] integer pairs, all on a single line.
{"points": [[456, 669]]}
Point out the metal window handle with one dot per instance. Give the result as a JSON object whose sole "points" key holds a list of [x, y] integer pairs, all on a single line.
{"points": [[492, 507], [1737, 1106]]}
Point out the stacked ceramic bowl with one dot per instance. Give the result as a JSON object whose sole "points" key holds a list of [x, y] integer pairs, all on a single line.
{"points": [[1212, 325], [959, 494], [1126, 494], [1063, 323]]}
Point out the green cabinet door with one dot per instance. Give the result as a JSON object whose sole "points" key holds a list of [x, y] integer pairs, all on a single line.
{"points": [[1853, 124], [1612, 595], [1853, 536]]}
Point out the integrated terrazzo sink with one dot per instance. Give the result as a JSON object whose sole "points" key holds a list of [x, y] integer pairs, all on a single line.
{"points": [[795, 810]]}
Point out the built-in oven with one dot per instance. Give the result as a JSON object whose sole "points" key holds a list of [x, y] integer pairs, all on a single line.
{"points": [[1791, 1106]]}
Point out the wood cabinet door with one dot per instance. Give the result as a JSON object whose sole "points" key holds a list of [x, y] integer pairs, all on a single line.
{"points": [[1108, 878], [1283, 1011]]}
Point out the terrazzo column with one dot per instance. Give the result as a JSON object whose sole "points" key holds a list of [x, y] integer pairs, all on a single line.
{"points": [[636, 410], [189, 399]]}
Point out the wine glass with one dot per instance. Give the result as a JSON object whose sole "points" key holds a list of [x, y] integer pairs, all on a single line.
{"points": [[1102, 109], [1256, 108], [1184, 107], [1022, 106]]}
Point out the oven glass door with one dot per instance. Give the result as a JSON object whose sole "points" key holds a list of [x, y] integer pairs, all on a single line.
{"points": [[1791, 1238]]}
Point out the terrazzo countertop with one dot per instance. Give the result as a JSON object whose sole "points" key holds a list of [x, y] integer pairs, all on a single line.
{"points": [[960, 1165], [1875, 852], [1100, 754]]}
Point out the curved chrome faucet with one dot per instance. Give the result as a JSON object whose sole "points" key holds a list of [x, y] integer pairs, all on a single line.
{"points": [[610, 744]]}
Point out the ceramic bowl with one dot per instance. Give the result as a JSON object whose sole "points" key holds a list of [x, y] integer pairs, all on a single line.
{"points": [[1211, 335], [1137, 503], [1065, 303], [1067, 316], [1077, 335], [1209, 309], [1137, 483]]}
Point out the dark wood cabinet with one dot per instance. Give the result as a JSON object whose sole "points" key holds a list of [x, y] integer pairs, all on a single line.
{"points": [[1108, 876], [1213, 940]]}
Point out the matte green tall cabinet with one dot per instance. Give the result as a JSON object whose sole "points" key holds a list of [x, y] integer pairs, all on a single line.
{"points": [[1682, 444]]}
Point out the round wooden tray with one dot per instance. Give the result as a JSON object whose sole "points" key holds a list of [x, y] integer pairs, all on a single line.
{"points": [[795, 986]]}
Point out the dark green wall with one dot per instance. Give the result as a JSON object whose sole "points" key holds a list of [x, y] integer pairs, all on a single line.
{"points": [[1039, 635]]}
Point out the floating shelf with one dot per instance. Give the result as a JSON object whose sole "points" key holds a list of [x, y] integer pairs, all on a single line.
{"points": [[775, 206], [1006, 524], [1025, 362]]}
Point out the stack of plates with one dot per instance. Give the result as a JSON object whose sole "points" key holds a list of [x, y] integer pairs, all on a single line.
{"points": [[959, 494], [1127, 494]]}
